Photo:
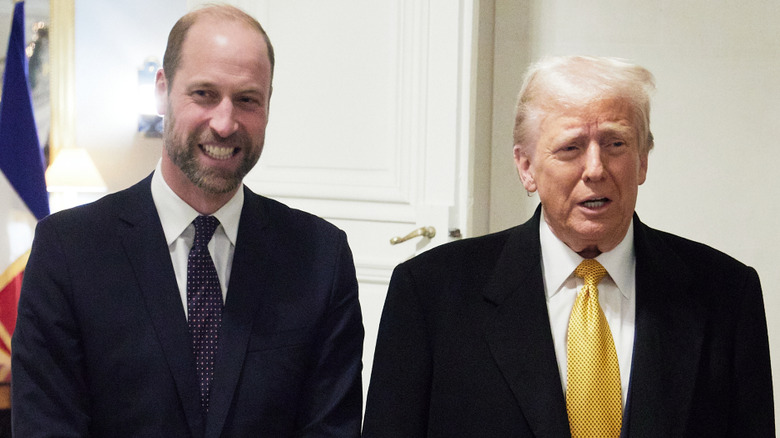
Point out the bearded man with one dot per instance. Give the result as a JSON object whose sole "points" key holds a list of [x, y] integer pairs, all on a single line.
{"points": [[187, 305]]}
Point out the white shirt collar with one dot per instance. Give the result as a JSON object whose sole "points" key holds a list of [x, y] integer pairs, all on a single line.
{"points": [[176, 215], [559, 261]]}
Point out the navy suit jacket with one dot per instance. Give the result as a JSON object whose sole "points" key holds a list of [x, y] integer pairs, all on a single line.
{"points": [[465, 350], [101, 346]]}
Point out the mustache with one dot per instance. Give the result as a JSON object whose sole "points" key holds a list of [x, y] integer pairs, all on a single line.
{"points": [[237, 140]]}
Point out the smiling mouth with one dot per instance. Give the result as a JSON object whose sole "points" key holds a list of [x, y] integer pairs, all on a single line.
{"points": [[218, 152], [595, 203]]}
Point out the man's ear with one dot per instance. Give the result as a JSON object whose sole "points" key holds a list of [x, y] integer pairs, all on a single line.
{"points": [[523, 164], [161, 92], [642, 167], [268, 102]]}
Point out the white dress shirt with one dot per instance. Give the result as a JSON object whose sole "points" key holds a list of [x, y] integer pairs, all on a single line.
{"points": [[616, 296], [176, 217]]}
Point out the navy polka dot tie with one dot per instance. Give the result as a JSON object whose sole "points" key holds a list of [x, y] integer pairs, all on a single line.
{"points": [[204, 304]]}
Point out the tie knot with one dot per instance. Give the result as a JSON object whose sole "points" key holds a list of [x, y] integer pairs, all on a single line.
{"points": [[204, 229], [591, 271]]}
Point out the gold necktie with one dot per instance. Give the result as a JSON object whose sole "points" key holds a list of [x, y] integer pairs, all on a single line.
{"points": [[593, 397]]}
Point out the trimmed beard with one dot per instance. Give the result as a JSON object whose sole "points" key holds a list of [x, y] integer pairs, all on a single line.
{"points": [[183, 153]]}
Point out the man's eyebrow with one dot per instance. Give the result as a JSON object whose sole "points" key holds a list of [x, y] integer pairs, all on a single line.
{"points": [[250, 90], [200, 84]]}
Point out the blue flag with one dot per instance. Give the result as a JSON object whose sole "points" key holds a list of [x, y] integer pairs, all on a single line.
{"points": [[21, 157]]}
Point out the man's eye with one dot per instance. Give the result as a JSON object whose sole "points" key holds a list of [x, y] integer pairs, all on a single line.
{"points": [[201, 94], [249, 103]]}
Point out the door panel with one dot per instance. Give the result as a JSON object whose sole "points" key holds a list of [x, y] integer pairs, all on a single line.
{"points": [[369, 121]]}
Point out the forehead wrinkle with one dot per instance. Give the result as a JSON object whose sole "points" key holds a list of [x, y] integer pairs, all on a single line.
{"points": [[211, 80], [601, 117]]}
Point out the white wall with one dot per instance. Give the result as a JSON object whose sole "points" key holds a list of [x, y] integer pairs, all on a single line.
{"points": [[113, 39], [716, 115]]}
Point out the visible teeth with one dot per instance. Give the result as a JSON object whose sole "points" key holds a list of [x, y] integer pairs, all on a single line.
{"points": [[595, 203], [218, 152]]}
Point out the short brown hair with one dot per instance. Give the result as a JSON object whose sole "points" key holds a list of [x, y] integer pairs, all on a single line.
{"points": [[178, 33]]}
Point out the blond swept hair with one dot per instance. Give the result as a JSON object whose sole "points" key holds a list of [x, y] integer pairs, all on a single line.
{"points": [[570, 82]]}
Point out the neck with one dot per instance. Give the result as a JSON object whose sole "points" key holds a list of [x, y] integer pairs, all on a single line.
{"points": [[589, 253], [206, 204]]}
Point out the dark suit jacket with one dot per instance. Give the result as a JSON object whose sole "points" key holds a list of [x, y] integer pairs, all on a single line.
{"points": [[465, 350], [101, 346]]}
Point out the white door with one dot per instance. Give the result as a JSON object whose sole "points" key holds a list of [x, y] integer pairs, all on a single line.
{"points": [[370, 125]]}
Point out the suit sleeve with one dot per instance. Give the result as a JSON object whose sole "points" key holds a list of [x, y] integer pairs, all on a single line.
{"points": [[752, 400], [399, 392], [333, 407], [49, 395]]}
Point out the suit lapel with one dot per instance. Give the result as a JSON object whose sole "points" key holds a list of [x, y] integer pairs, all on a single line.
{"points": [[519, 335], [668, 339], [144, 241], [250, 262], [667, 345]]}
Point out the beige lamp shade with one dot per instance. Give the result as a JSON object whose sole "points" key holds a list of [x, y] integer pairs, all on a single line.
{"points": [[73, 170]]}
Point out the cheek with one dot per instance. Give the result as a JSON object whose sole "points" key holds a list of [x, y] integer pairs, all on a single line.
{"points": [[185, 119], [556, 191], [628, 173], [259, 123], [253, 123], [559, 178]]}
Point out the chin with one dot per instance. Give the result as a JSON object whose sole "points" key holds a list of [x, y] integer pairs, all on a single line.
{"points": [[600, 235]]}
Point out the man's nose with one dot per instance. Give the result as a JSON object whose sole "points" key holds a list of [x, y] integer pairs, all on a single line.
{"points": [[594, 163], [223, 121]]}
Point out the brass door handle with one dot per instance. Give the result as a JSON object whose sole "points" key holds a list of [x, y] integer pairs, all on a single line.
{"points": [[428, 232]]}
